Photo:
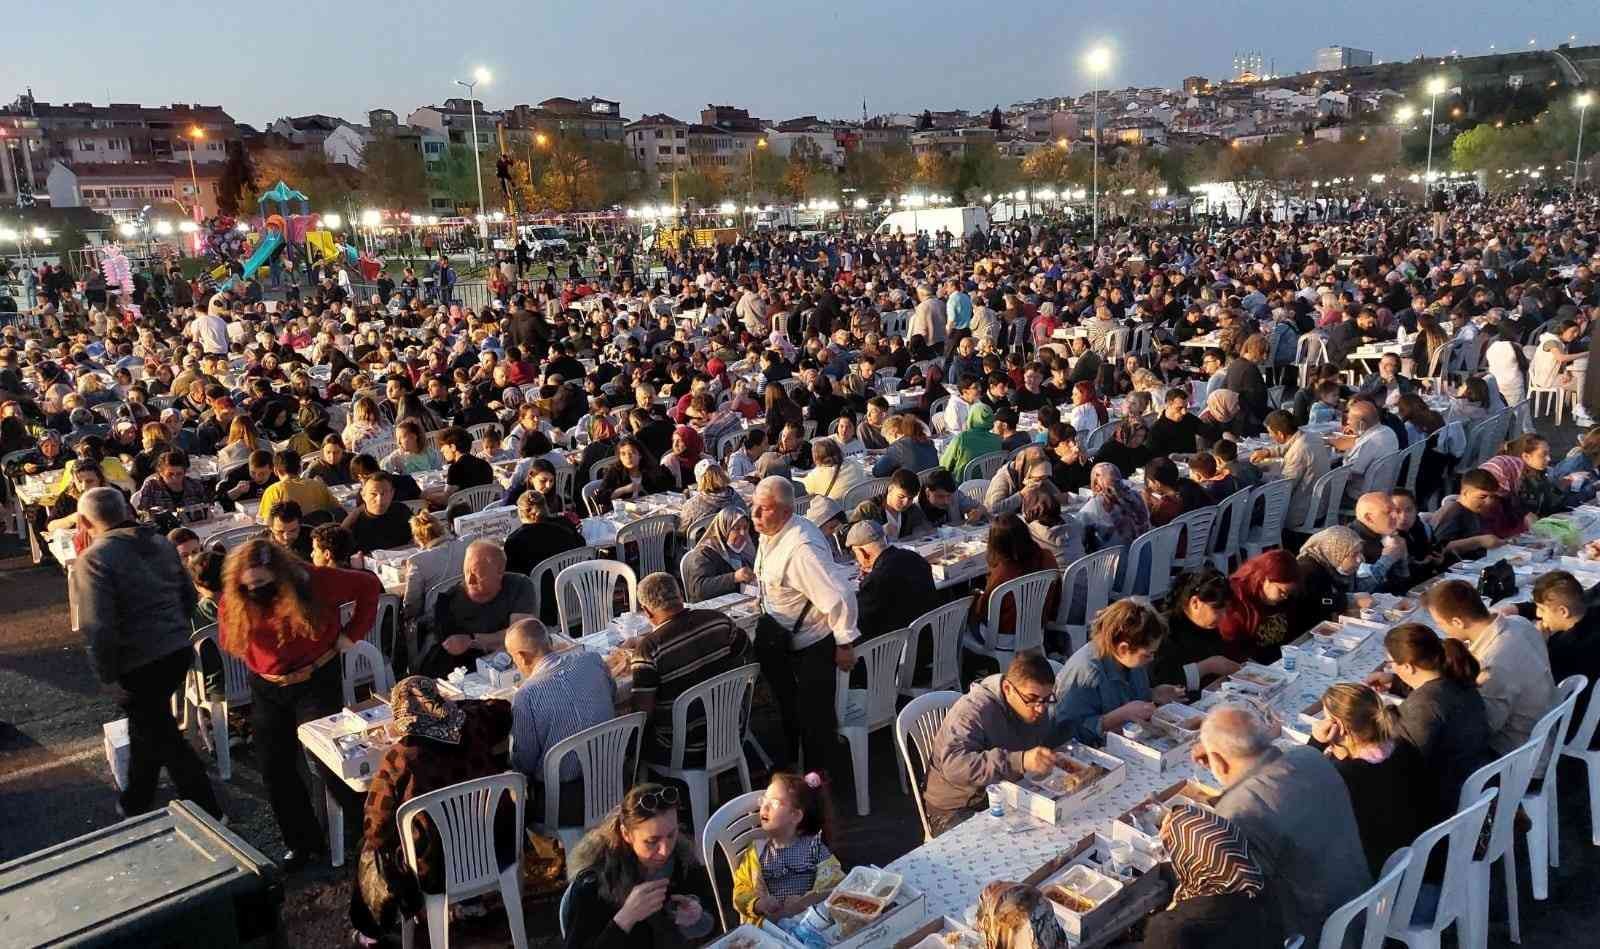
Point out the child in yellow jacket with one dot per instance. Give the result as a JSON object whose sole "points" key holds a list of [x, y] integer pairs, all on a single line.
{"points": [[793, 868]]}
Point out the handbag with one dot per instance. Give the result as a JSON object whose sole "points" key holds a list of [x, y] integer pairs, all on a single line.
{"points": [[770, 632], [1497, 581]]}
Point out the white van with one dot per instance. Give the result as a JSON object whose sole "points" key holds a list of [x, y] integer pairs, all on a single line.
{"points": [[961, 222]]}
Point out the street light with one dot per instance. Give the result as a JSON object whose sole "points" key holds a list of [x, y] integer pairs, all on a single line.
{"points": [[195, 134], [1435, 86], [480, 75], [749, 194], [1097, 61], [332, 221], [1582, 103]]}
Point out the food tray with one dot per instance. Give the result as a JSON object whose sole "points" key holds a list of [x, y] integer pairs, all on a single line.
{"points": [[750, 937], [1076, 893], [1140, 825], [941, 932], [1180, 718], [1156, 745], [863, 894], [1258, 680], [1052, 802]]}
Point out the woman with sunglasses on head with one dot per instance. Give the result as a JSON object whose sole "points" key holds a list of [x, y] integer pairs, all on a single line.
{"points": [[286, 619], [635, 880]]}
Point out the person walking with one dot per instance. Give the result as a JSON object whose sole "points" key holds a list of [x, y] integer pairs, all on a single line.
{"points": [[133, 599]]}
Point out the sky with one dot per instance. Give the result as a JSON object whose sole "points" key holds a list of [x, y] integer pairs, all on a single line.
{"points": [[778, 59]]}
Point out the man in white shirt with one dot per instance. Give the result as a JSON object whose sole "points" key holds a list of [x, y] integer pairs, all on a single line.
{"points": [[927, 320], [969, 390], [210, 329], [808, 622], [1365, 441]]}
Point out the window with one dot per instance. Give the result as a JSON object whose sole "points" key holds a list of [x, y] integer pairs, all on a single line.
{"points": [[659, 133], [85, 144], [213, 146], [663, 149], [678, 133], [114, 144], [682, 150]]}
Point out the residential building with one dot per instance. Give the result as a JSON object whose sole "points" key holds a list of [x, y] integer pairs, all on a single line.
{"points": [[783, 137], [1194, 85], [455, 118], [122, 190], [1138, 130], [121, 132], [659, 143], [712, 146], [590, 119], [1330, 58], [345, 144], [306, 130], [954, 143], [728, 117]]}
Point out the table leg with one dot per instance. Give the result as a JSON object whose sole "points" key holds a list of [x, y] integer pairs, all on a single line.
{"points": [[335, 827]]}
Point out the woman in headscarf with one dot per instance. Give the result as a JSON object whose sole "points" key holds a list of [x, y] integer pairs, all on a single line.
{"points": [[1029, 466], [1128, 447], [1328, 564], [1505, 519], [724, 558], [1221, 899], [439, 743], [1017, 916], [713, 491], [1116, 514], [1220, 417], [687, 450]]}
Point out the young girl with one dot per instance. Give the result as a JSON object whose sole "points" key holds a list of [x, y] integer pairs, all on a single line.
{"points": [[793, 868]]}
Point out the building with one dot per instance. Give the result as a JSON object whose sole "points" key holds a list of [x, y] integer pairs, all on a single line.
{"points": [[712, 146], [345, 144], [123, 190], [728, 117], [1138, 130], [953, 143], [455, 118], [590, 119], [1330, 58], [659, 143], [1194, 85], [308, 131]]}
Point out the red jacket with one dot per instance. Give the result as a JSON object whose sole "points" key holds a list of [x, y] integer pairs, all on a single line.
{"points": [[331, 587]]}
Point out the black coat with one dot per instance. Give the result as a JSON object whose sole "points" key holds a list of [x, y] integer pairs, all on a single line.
{"points": [[898, 590], [1226, 921]]}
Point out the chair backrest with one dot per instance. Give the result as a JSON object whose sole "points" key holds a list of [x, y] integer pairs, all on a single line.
{"points": [[550, 566], [1459, 834], [1090, 444], [564, 911], [943, 627], [1274, 496], [1096, 573], [1583, 736], [1384, 473], [1310, 351], [463, 816], [1161, 544], [1411, 462], [693, 533], [733, 827], [936, 408], [586, 593], [725, 702], [882, 656], [608, 757], [1327, 493], [975, 489], [927, 473], [1194, 528], [482, 428], [1558, 720], [1028, 593], [473, 499], [387, 618], [867, 490], [566, 477], [1375, 907], [984, 466], [650, 535], [1511, 773], [235, 674], [430, 596], [590, 495], [362, 662], [915, 729]]}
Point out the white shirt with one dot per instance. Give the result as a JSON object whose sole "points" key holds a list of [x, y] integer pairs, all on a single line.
{"points": [[212, 333], [955, 414], [794, 568]]}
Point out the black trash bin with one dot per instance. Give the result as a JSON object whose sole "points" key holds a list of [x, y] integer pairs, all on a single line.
{"points": [[167, 879]]}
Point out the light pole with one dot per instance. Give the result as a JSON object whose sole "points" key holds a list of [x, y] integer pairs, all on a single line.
{"points": [[195, 134], [750, 192], [479, 75], [1584, 100], [1097, 62], [1435, 86]]}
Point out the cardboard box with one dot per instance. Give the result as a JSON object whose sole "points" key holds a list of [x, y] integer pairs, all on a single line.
{"points": [[116, 746], [1337, 655], [1157, 747], [931, 935], [1031, 798], [1126, 830], [1139, 892], [1256, 680], [907, 911], [764, 936]]}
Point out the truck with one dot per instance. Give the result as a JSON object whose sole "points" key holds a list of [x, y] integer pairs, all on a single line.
{"points": [[961, 222], [797, 219]]}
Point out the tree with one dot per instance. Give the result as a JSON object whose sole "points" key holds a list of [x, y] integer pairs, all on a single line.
{"points": [[1252, 171], [1127, 186], [457, 179], [805, 163], [1053, 165], [995, 121], [238, 178], [325, 184], [899, 169], [393, 175], [935, 171]]}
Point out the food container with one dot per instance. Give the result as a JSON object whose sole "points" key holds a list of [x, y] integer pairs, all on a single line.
{"points": [[905, 910], [941, 932], [1140, 825], [1180, 718], [1158, 747], [862, 896], [1089, 774], [1256, 680], [499, 671], [1076, 893], [1336, 655], [755, 937]]}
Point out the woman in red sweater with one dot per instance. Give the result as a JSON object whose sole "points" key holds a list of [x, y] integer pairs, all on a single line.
{"points": [[289, 621], [1013, 553]]}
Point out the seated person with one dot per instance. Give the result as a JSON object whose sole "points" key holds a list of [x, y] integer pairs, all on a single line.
{"points": [[1214, 479], [1017, 914], [834, 475], [1012, 553], [944, 506], [1385, 561], [332, 466], [379, 523], [1245, 474], [286, 527], [1177, 431], [439, 556], [439, 742], [406, 490], [538, 537], [562, 693], [897, 510], [246, 482], [463, 468], [722, 560], [1458, 527], [1222, 897], [1538, 493], [1167, 494], [999, 730], [792, 868], [683, 649], [1326, 409], [1027, 467], [1105, 684], [1192, 654], [1005, 429], [312, 496], [171, 488], [1571, 629], [332, 546], [1514, 663], [1422, 550], [896, 584], [471, 620]]}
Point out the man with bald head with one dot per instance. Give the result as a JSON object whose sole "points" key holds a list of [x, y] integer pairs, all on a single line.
{"points": [[562, 693], [1365, 440], [1294, 810], [471, 620], [1385, 561]]}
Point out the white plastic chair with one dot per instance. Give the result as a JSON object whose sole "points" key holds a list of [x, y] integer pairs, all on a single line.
{"points": [[1578, 747], [975, 490], [650, 535], [363, 663], [1274, 497], [860, 712], [586, 592], [983, 466], [566, 477], [1162, 543], [564, 912], [1510, 773], [943, 627], [1327, 497], [1553, 398], [915, 728], [1090, 443], [726, 701], [234, 536], [1459, 834], [608, 757], [1227, 539], [735, 827], [590, 495], [1194, 530], [1375, 907], [1542, 806], [1097, 574], [1029, 592], [235, 694], [869, 490], [1411, 469], [387, 618], [473, 499], [1384, 473], [463, 817], [552, 565]]}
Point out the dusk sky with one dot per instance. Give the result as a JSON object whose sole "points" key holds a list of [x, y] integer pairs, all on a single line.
{"points": [[779, 60]]}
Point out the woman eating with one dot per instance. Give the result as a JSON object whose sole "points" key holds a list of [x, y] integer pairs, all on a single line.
{"points": [[635, 475], [1192, 652], [1115, 514], [1106, 685], [722, 560], [1328, 564], [1269, 607]]}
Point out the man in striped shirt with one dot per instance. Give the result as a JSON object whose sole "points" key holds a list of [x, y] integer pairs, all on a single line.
{"points": [[685, 648], [562, 693]]}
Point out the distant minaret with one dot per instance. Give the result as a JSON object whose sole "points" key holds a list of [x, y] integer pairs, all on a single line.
{"points": [[863, 110]]}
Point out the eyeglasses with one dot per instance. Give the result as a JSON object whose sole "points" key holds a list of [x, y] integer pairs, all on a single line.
{"points": [[654, 802], [1033, 701]]}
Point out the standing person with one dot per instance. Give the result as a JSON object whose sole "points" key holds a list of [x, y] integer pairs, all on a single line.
{"points": [[134, 599], [286, 620], [808, 621]]}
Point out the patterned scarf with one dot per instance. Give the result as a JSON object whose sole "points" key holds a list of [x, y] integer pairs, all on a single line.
{"points": [[1017, 916], [1209, 855], [421, 710]]}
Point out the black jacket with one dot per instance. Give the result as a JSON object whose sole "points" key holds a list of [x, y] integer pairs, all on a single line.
{"points": [[531, 544], [133, 598], [1226, 921], [1448, 724], [898, 590]]}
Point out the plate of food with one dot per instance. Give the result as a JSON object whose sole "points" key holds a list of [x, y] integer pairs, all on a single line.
{"points": [[1069, 776]]}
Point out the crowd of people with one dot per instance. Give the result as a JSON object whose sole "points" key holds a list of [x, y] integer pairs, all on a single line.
{"points": [[782, 350]]}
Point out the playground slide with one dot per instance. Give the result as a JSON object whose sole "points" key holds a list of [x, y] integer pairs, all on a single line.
{"points": [[268, 245]]}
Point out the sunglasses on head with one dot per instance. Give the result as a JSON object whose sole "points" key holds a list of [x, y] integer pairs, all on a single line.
{"points": [[654, 802]]}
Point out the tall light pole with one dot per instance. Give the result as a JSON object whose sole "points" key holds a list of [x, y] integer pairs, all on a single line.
{"points": [[1097, 62], [195, 134], [1435, 86], [750, 192], [480, 75], [1584, 100]]}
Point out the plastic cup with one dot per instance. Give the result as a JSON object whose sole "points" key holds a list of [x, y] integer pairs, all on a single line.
{"points": [[997, 804]]}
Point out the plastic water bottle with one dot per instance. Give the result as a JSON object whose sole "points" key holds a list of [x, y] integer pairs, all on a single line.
{"points": [[1291, 658], [997, 804]]}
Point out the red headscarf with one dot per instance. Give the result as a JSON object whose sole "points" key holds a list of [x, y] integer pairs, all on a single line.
{"points": [[693, 446], [1244, 612]]}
